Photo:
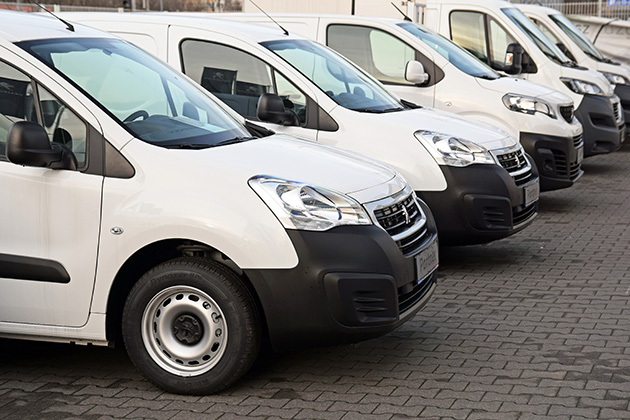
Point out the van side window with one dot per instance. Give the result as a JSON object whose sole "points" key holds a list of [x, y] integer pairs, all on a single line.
{"points": [[18, 103], [379, 53], [499, 41], [487, 43], [468, 29], [62, 125], [238, 78]]}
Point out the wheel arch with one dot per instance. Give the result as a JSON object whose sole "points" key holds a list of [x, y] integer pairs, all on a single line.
{"points": [[152, 255]]}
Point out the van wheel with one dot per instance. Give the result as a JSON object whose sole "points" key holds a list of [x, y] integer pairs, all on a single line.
{"points": [[191, 326]]}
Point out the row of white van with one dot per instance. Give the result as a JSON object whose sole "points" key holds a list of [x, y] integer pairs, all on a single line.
{"points": [[227, 232]]}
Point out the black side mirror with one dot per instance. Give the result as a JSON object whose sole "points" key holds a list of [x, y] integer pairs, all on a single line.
{"points": [[566, 51], [28, 145], [271, 109], [513, 59]]}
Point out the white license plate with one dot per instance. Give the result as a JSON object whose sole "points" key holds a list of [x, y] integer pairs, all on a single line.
{"points": [[580, 153], [531, 193], [426, 261]]}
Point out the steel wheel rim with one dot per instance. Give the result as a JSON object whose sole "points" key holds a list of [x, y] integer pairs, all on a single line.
{"points": [[184, 331]]}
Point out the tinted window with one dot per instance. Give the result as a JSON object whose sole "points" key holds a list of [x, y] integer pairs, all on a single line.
{"points": [[577, 36], [343, 82], [238, 78], [533, 33], [146, 96], [499, 41], [456, 55], [468, 29], [19, 103]]}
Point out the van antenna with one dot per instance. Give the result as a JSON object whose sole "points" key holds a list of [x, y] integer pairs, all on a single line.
{"points": [[265, 13], [68, 25], [407, 18]]}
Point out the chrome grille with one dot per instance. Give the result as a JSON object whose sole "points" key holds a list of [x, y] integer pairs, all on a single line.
{"points": [[405, 222], [577, 141], [517, 166], [567, 113]]}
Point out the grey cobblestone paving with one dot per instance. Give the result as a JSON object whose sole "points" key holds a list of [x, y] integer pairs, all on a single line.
{"points": [[536, 326]]}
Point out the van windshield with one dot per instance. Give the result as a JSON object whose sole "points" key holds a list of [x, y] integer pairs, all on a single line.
{"points": [[576, 36], [535, 35], [456, 55], [343, 82], [149, 99]]}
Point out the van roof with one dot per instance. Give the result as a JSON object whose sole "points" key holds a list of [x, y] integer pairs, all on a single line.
{"points": [[246, 31], [301, 16], [22, 26], [536, 8]]}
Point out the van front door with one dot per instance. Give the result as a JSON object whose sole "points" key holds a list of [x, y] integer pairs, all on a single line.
{"points": [[49, 219], [239, 78], [385, 57]]}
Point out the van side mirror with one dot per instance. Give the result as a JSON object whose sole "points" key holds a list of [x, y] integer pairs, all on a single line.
{"points": [[271, 109], [414, 73], [28, 145], [566, 51], [513, 59]]}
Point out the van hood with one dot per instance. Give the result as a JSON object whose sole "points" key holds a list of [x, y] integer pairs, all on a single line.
{"points": [[526, 88], [430, 119], [298, 160]]}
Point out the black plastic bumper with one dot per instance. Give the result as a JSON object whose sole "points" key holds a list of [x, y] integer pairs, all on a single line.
{"points": [[601, 132], [347, 287], [623, 91], [556, 159], [481, 203]]}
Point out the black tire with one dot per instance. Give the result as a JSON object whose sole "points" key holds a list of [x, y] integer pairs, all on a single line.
{"points": [[191, 326]]}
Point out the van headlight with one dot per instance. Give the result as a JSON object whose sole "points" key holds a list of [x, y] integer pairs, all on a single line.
{"points": [[527, 105], [582, 87], [616, 79], [306, 207], [453, 151]]}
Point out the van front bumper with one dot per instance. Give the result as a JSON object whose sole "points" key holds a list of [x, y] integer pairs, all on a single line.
{"points": [[558, 159], [481, 203], [351, 283], [604, 126]]}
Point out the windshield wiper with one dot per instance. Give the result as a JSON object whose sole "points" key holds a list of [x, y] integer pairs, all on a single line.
{"points": [[593, 56], [258, 130], [409, 104], [233, 140], [558, 60], [377, 111], [487, 77], [188, 146]]}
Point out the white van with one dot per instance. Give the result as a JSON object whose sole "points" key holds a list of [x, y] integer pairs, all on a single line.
{"points": [[500, 35], [476, 179], [133, 200], [562, 32], [541, 118]]}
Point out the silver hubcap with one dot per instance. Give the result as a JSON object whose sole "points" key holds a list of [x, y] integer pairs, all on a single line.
{"points": [[184, 331]]}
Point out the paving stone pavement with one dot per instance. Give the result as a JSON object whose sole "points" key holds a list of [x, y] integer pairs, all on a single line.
{"points": [[536, 326]]}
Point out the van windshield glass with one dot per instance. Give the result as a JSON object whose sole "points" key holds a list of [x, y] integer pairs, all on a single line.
{"points": [[576, 36], [456, 55], [144, 95], [534, 34], [343, 82]]}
